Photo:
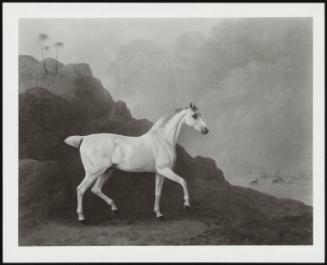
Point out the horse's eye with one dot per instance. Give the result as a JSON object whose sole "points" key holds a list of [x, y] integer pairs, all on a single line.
{"points": [[195, 116]]}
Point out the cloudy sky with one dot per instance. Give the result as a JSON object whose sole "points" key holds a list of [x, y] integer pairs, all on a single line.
{"points": [[251, 78]]}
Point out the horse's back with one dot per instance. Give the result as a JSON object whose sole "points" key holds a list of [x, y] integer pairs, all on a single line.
{"points": [[124, 152], [99, 140]]}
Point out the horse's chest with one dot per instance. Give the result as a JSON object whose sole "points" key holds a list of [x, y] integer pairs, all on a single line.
{"points": [[165, 154]]}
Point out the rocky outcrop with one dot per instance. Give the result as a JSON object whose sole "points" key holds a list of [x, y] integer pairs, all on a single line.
{"points": [[44, 120]]}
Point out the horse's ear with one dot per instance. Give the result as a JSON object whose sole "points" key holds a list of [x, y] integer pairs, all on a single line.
{"points": [[192, 106]]}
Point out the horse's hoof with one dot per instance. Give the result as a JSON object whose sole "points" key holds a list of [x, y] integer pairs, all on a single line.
{"points": [[187, 208], [115, 212], [160, 218], [83, 221]]}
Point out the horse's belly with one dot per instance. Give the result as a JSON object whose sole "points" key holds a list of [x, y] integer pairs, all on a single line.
{"points": [[131, 166], [137, 165], [137, 160]]}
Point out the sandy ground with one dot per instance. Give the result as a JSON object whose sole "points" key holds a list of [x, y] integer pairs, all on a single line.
{"points": [[300, 190]]}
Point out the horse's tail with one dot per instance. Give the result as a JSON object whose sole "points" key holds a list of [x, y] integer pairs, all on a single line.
{"points": [[75, 140]]}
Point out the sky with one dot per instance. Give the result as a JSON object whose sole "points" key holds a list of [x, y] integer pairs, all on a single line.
{"points": [[251, 79], [95, 41]]}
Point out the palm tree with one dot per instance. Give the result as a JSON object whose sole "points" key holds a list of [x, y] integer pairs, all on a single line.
{"points": [[42, 39], [58, 45], [46, 48]]}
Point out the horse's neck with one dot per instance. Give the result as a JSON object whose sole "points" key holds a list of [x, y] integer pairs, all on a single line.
{"points": [[177, 127], [170, 131]]}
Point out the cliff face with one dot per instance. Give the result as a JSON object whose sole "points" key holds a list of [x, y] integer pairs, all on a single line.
{"points": [[54, 106]]}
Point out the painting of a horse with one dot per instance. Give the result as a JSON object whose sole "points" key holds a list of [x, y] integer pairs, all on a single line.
{"points": [[154, 151]]}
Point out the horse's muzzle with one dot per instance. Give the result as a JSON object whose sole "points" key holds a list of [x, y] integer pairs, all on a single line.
{"points": [[204, 130]]}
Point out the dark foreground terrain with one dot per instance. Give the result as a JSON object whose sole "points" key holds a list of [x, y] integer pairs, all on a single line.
{"points": [[177, 230], [54, 106]]}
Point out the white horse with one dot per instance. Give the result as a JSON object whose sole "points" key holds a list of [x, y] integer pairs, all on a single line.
{"points": [[154, 151]]}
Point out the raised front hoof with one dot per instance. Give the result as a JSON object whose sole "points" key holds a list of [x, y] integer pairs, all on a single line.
{"points": [[161, 218], [115, 212], [187, 208]]}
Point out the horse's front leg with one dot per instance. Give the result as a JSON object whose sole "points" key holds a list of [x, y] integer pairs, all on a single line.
{"points": [[168, 173], [159, 184]]}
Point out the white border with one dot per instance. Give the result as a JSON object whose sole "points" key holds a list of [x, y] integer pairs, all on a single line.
{"points": [[12, 253]]}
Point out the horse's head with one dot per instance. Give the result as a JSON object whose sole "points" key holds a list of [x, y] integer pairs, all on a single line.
{"points": [[195, 119]]}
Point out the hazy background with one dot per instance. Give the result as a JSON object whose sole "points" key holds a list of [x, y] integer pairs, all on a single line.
{"points": [[251, 78]]}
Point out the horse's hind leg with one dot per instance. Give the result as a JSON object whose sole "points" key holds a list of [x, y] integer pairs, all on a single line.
{"points": [[97, 189], [82, 187]]}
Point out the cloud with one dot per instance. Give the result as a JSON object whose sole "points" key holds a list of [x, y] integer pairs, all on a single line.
{"points": [[251, 78]]}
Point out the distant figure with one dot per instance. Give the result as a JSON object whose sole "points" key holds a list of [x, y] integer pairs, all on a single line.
{"points": [[154, 151], [254, 182]]}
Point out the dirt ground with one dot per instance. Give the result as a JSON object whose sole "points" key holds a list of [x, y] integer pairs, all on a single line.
{"points": [[116, 231], [186, 229]]}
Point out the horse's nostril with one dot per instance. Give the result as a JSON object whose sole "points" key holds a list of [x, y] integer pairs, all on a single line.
{"points": [[205, 130]]}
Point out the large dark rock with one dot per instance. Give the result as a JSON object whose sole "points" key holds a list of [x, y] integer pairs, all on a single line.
{"points": [[44, 120]]}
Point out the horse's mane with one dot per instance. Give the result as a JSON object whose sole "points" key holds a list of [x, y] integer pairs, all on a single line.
{"points": [[162, 121]]}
